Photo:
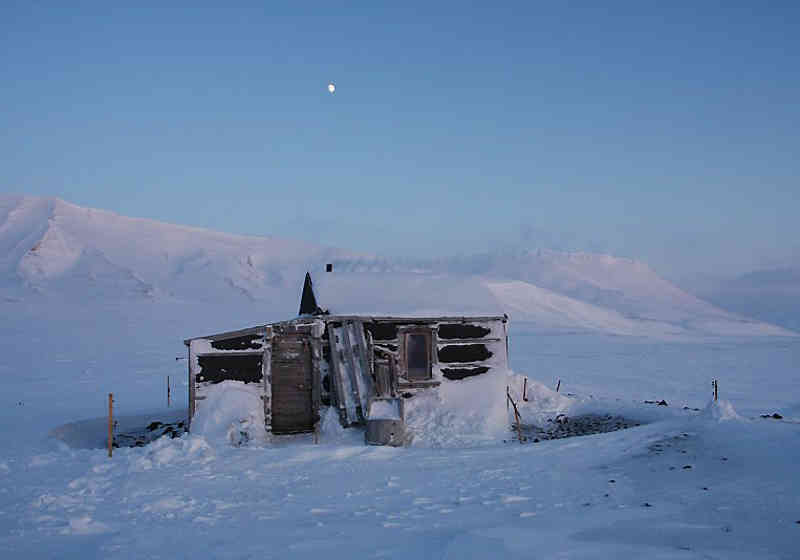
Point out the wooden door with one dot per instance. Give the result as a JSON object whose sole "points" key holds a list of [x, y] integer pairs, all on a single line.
{"points": [[292, 410]]}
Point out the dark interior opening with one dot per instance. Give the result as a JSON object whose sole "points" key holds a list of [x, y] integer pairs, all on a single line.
{"points": [[460, 331], [464, 353], [215, 369], [246, 342], [417, 358], [382, 331], [462, 373]]}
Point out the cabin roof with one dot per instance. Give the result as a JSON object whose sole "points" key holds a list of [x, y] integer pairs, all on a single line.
{"points": [[261, 329], [404, 294]]}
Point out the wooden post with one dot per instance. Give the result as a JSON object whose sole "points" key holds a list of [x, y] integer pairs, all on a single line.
{"points": [[558, 386], [715, 384], [525, 390], [517, 417], [168, 392], [110, 423]]}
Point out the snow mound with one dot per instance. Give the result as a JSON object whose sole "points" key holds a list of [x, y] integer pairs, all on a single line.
{"points": [[167, 451], [719, 410], [384, 410], [542, 403], [463, 413], [232, 413], [332, 432]]}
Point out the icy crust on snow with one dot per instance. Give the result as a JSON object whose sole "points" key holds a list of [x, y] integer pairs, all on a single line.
{"points": [[231, 413]]}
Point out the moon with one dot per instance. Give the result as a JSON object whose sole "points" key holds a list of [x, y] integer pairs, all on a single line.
{"points": [[331, 87]]}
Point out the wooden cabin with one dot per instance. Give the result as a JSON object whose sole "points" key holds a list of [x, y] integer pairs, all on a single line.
{"points": [[355, 363]]}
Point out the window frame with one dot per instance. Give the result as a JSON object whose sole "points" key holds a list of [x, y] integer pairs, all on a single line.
{"points": [[429, 334]]}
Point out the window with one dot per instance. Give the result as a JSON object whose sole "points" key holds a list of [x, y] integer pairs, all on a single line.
{"points": [[418, 356]]}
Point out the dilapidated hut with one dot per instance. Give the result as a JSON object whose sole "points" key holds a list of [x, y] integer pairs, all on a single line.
{"points": [[363, 365]]}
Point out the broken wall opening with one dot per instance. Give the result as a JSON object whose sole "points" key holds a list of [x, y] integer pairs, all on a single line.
{"points": [[235, 367]]}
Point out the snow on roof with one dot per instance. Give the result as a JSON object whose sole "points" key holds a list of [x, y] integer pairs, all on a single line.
{"points": [[406, 294]]}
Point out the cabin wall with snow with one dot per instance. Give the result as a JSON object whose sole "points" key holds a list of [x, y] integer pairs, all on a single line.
{"points": [[300, 365], [236, 357], [282, 361], [458, 347]]}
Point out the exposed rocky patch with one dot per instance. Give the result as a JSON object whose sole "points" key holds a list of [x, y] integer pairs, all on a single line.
{"points": [[563, 426], [153, 431]]}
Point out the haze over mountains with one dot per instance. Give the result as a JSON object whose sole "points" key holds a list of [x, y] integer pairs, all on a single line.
{"points": [[771, 295], [51, 250]]}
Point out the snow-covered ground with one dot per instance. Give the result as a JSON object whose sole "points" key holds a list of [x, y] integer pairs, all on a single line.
{"points": [[622, 494]]}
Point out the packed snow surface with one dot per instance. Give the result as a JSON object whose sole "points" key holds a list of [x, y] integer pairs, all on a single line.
{"points": [[685, 484]]}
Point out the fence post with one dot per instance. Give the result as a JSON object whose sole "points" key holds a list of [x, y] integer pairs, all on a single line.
{"points": [[558, 386], [168, 402], [110, 423]]}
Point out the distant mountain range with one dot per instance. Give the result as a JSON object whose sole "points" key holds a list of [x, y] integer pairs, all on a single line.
{"points": [[51, 250], [771, 295]]}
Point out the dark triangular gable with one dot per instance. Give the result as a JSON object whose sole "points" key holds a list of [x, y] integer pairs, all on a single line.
{"points": [[308, 302]]}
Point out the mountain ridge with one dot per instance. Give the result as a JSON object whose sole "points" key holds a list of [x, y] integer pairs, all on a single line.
{"points": [[57, 249]]}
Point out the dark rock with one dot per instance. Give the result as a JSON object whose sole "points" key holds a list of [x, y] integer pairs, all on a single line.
{"points": [[685, 467], [647, 504], [612, 481], [153, 426]]}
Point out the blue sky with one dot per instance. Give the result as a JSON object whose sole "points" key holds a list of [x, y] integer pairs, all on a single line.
{"points": [[661, 131]]}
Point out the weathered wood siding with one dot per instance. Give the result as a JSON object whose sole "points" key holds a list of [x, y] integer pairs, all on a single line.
{"points": [[465, 346]]}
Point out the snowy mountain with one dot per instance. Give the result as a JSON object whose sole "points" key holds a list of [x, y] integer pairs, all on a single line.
{"points": [[50, 247], [53, 249]]}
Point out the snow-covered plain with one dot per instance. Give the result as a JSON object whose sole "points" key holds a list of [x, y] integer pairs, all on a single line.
{"points": [[198, 497], [719, 482]]}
